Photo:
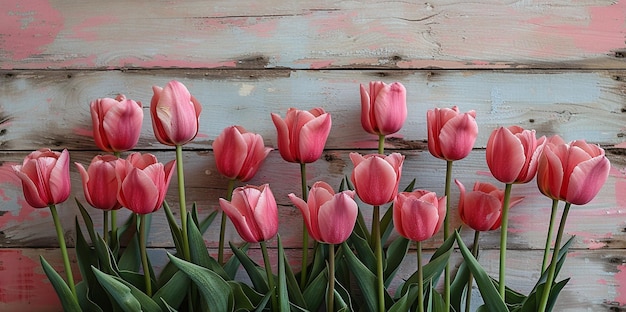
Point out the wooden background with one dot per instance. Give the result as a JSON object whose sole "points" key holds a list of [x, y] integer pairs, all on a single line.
{"points": [[555, 66]]}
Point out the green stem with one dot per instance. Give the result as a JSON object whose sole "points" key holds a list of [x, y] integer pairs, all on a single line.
{"points": [[378, 251], [268, 271], [229, 196], [144, 255], [66, 259], [331, 278], [420, 278], [305, 233], [381, 144], [181, 200], [546, 250], [503, 237], [446, 233], [105, 226], [555, 255], [470, 279]]}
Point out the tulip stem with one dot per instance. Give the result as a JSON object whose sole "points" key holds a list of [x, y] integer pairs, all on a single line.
{"points": [[268, 271], [378, 251], [555, 255], [446, 233], [105, 226], [503, 237], [114, 212], [229, 197], [66, 259], [381, 144], [181, 200], [305, 233], [546, 250], [331, 278], [470, 279], [420, 278], [144, 255]]}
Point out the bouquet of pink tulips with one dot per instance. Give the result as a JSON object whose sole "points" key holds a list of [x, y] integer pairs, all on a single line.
{"points": [[347, 265]]}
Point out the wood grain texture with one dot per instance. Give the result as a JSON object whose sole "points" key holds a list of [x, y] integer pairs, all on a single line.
{"points": [[320, 34]]}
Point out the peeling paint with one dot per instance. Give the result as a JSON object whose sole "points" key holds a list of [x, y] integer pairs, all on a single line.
{"points": [[23, 281]]}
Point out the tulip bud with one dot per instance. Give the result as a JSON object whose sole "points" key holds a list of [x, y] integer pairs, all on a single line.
{"points": [[383, 108], [253, 211], [174, 112], [116, 123], [512, 154], [100, 183], [418, 215], [376, 177], [45, 176], [238, 153], [302, 134], [451, 134], [481, 209]]}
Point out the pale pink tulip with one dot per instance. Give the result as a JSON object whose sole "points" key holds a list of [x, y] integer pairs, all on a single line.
{"points": [[513, 154], [302, 134], [383, 108], [143, 182], [100, 183], [574, 172], [239, 153], [45, 176], [174, 112], [451, 134], [116, 123], [481, 208], [418, 215], [329, 217], [376, 177], [253, 211]]}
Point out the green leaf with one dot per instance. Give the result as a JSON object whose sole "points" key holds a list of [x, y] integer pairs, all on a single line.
{"points": [[242, 294], [434, 268], [131, 257], [395, 254], [293, 287], [256, 276], [86, 258], [364, 250], [365, 279], [173, 292], [174, 229], [360, 228], [232, 265], [86, 304], [197, 248], [458, 286], [204, 225], [120, 292], [215, 290], [68, 301], [87, 220], [406, 301], [146, 303], [283, 296], [315, 291], [488, 291]]}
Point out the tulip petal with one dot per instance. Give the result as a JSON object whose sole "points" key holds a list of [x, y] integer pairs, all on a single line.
{"points": [[122, 125], [375, 181], [240, 222], [336, 218], [390, 109], [59, 183], [366, 121], [587, 179], [313, 137], [283, 138], [230, 151], [140, 193], [266, 214], [505, 155], [457, 137]]}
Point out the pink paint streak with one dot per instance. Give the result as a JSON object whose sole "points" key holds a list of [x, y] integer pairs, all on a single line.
{"points": [[87, 29], [27, 27], [22, 282], [620, 279]]}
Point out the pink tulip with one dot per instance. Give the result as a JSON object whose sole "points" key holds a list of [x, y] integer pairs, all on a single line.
{"points": [[45, 176], [302, 134], [143, 182], [174, 113], [100, 183], [239, 153], [116, 123], [574, 172], [451, 134], [481, 209], [512, 154], [376, 177], [383, 108], [418, 215], [329, 217], [253, 211]]}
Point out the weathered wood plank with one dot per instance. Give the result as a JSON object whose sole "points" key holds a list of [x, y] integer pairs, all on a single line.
{"points": [[598, 224], [320, 34], [51, 108]]}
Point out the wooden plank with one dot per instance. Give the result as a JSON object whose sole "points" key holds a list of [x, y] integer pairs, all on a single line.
{"points": [[51, 108], [597, 225], [597, 282], [320, 34]]}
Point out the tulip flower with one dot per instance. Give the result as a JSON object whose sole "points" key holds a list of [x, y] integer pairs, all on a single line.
{"points": [[143, 182], [451, 134], [513, 154], [573, 172], [45, 176], [418, 215], [100, 182], [481, 208], [253, 211], [329, 217], [174, 112], [376, 177], [239, 153], [383, 108], [116, 123], [302, 134]]}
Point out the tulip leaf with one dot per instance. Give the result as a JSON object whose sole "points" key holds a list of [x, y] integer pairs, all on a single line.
{"points": [[293, 287], [242, 294], [364, 278], [283, 295], [173, 292], [406, 301], [232, 265], [131, 257], [433, 270], [174, 229], [147, 304], [458, 286], [488, 291], [314, 292], [215, 290], [87, 258], [206, 222], [121, 292], [395, 254], [364, 250], [360, 228], [86, 304], [319, 261], [68, 301], [87, 220], [256, 276]]}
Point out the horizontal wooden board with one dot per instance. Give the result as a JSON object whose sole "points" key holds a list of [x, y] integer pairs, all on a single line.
{"points": [[320, 34], [51, 108], [597, 282]]}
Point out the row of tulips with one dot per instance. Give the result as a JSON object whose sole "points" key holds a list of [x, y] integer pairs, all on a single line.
{"points": [[572, 172]]}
